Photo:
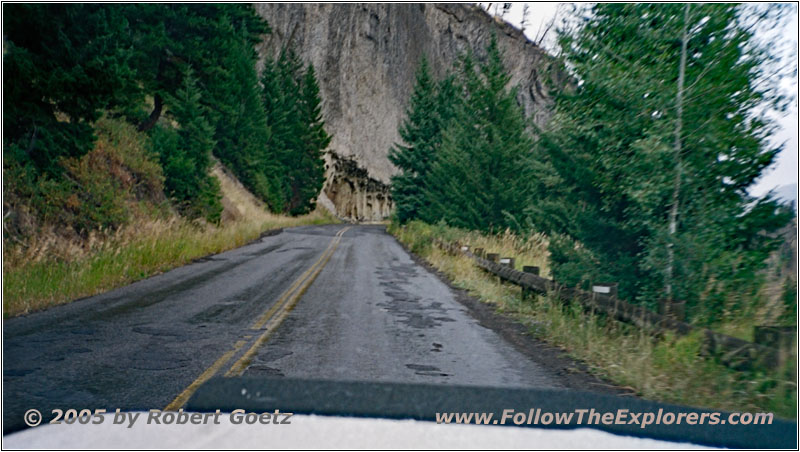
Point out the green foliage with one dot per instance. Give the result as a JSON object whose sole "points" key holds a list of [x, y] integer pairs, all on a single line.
{"points": [[613, 143], [789, 299], [297, 138], [66, 64], [98, 191], [307, 168], [241, 129], [485, 173], [186, 155], [62, 65], [467, 158], [167, 37], [430, 111]]}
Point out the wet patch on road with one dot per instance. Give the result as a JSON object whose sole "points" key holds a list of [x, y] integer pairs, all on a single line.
{"points": [[297, 248], [264, 251], [410, 308]]}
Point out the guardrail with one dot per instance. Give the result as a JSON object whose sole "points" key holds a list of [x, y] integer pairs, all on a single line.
{"points": [[731, 351]]}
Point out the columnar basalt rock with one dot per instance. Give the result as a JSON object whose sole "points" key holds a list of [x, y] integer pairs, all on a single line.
{"points": [[353, 194], [366, 56]]}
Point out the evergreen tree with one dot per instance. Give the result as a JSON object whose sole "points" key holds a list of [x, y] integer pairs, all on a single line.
{"points": [[656, 147], [297, 139], [187, 159], [279, 97], [166, 36], [430, 109], [308, 169], [484, 175], [241, 125], [63, 64]]}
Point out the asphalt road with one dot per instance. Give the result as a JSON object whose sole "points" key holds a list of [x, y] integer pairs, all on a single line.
{"points": [[326, 302]]}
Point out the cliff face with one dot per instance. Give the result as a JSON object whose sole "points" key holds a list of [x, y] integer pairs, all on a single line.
{"points": [[366, 56]]}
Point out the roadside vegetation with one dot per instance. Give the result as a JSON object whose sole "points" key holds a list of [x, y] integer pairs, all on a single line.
{"points": [[55, 257], [668, 369], [640, 177], [33, 279], [117, 121]]}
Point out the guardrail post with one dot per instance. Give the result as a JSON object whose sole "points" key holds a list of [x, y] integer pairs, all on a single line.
{"points": [[494, 257], [609, 289], [507, 262], [526, 293], [675, 309], [782, 338], [531, 269]]}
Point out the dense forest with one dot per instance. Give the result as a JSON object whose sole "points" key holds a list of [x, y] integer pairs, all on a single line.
{"points": [[82, 80], [641, 175]]}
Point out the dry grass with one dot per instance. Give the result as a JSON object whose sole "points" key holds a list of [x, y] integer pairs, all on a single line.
{"points": [[135, 252], [52, 269], [669, 369]]}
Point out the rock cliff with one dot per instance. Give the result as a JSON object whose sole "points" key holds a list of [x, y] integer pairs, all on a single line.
{"points": [[366, 56]]}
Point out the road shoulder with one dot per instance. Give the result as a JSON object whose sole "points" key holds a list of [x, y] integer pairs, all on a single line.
{"points": [[573, 374]]}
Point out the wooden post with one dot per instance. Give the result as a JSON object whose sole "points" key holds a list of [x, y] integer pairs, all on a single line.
{"points": [[675, 309], [526, 293], [507, 262], [609, 289], [783, 338], [531, 269], [494, 257]]}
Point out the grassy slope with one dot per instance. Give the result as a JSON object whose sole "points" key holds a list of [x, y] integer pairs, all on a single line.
{"points": [[141, 249], [670, 369]]}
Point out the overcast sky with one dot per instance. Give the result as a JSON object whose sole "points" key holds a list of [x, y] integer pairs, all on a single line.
{"points": [[784, 170]]}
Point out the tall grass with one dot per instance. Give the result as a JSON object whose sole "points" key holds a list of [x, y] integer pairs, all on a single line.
{"points": [[669, 369], [33, 281]]}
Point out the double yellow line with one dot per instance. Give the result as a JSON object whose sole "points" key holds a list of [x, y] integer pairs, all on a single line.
{"points": [[269, 321]]}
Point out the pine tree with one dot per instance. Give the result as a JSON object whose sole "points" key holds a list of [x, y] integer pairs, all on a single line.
{"points": [[421, 132], [187, 159], [241, 125], [309, 173], [63, 64], [292, 105], [656, 147], [484, 175], [279, 98]]}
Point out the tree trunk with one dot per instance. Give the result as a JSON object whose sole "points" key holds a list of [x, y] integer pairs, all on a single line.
{"points": [[673, 214], [158, 105]]}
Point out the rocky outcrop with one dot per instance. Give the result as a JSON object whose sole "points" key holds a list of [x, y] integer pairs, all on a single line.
{"points": [[366, 56], [352, 193]]}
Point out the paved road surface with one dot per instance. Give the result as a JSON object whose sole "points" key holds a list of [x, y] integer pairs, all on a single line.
{"points": [[327, 302]]}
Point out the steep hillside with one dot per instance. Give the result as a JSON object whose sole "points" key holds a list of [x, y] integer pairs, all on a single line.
{"points": [[366, 57]]}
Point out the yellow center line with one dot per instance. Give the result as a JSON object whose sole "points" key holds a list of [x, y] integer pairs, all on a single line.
{"points": [[262, 320], [183, 397], [287, 301], [239, 366]]}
